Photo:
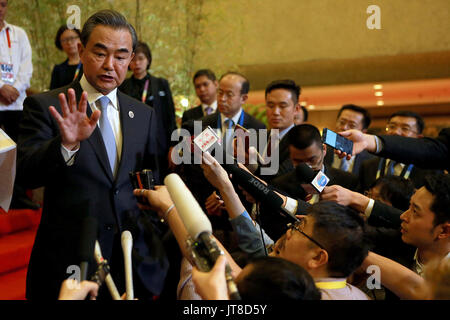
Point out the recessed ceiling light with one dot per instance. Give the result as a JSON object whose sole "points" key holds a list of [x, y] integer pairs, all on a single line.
{"points": [[379, 94], [380, 103], [377, 86], [311, 106]]}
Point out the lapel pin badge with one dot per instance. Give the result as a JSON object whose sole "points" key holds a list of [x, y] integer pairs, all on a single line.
{"points": [[131, 114]]}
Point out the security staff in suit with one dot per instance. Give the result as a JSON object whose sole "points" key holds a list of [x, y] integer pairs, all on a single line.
{"points": [[80, 142], [156, 93], [205, 85], [402, 123], [281, 107], [350, 116], [305, 146]]}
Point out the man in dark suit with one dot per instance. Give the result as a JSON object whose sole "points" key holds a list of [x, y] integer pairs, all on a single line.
{"points": [[402, 123], [232, 94], [205, 85], [350, 116], [82, 154], [305, 146], [281, 107]]}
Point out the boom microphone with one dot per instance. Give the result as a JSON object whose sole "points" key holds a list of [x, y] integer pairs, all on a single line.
{"points": [[258, 190], [87, 244], [205, 249], [127, 244], [109, 281], [315, 181]]}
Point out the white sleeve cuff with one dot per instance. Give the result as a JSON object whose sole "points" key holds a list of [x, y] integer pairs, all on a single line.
{"points": [[369, 208], [291, 205], [68, 155]]}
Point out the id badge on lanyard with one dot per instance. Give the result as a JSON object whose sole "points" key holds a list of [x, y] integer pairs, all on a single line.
{"points": [[6, 69]]}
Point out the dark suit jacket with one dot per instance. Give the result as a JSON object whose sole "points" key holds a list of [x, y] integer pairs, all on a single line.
{"points": [[86, 187], [160, 98], [359, 158], [291, 184], [192, 114], [426, 153], [369, 168]]}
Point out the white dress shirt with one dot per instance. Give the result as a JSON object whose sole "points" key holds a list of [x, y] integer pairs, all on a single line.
{"points": [[20, 57], [113, 117], [213, 107]]}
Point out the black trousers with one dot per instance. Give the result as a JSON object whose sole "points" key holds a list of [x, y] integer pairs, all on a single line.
{"points": [[10, 121]]}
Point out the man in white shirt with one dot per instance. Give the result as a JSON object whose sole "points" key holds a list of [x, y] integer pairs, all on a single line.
{"points": [[16, 70]]}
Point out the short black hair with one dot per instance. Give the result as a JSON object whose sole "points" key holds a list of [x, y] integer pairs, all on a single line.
{"points": [[245, 84], [366, 114], [288, 85], [304, 135], [420, 124], [204, 72], [305, 113], [438, 185], [59, 33], [142, 47], [109, 18], [273, 278], [395, 189], [341, 230]]}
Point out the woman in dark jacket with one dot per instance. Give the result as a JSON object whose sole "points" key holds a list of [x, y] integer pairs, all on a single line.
{"points": [[63, 74]]}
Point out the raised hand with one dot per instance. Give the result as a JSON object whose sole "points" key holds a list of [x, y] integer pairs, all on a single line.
{"points": [[74, 125]]}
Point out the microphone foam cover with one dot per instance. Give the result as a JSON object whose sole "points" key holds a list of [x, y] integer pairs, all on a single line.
{"points": [[193, 217], [304, 172]]}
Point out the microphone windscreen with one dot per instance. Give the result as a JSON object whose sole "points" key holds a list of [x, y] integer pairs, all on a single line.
{"points": [[254, 187], [88, 237], [304, 173], [193, 217], [126, 238]]}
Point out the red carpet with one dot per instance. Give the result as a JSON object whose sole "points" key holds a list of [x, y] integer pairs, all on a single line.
{"points": [[17, 232]]}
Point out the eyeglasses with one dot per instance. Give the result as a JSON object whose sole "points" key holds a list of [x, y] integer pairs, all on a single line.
{"points": [[404, 129], [298, 226], [347, 124], [69, 39]]}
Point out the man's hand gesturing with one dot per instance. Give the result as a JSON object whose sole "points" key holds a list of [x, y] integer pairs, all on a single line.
{"points": [[74, 125]]}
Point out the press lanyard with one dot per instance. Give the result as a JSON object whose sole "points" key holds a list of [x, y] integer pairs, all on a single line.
{"points": [[77, 71], [144, 93], [404, 174], [9, 44], [331, 284]]}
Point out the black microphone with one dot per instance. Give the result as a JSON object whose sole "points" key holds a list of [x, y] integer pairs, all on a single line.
{"points": [[258, 190], [312, 181], [87, 244], [203, 247]]}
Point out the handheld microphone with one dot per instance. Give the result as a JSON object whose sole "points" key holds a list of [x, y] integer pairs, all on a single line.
{"points": [[127, 244], [109, 281], [258, 190], [315, 181], [204, 248], [87, 244]]}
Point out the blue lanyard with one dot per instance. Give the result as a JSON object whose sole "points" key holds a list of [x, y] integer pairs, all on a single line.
{"points": [[405, 173], [240, 122]]}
